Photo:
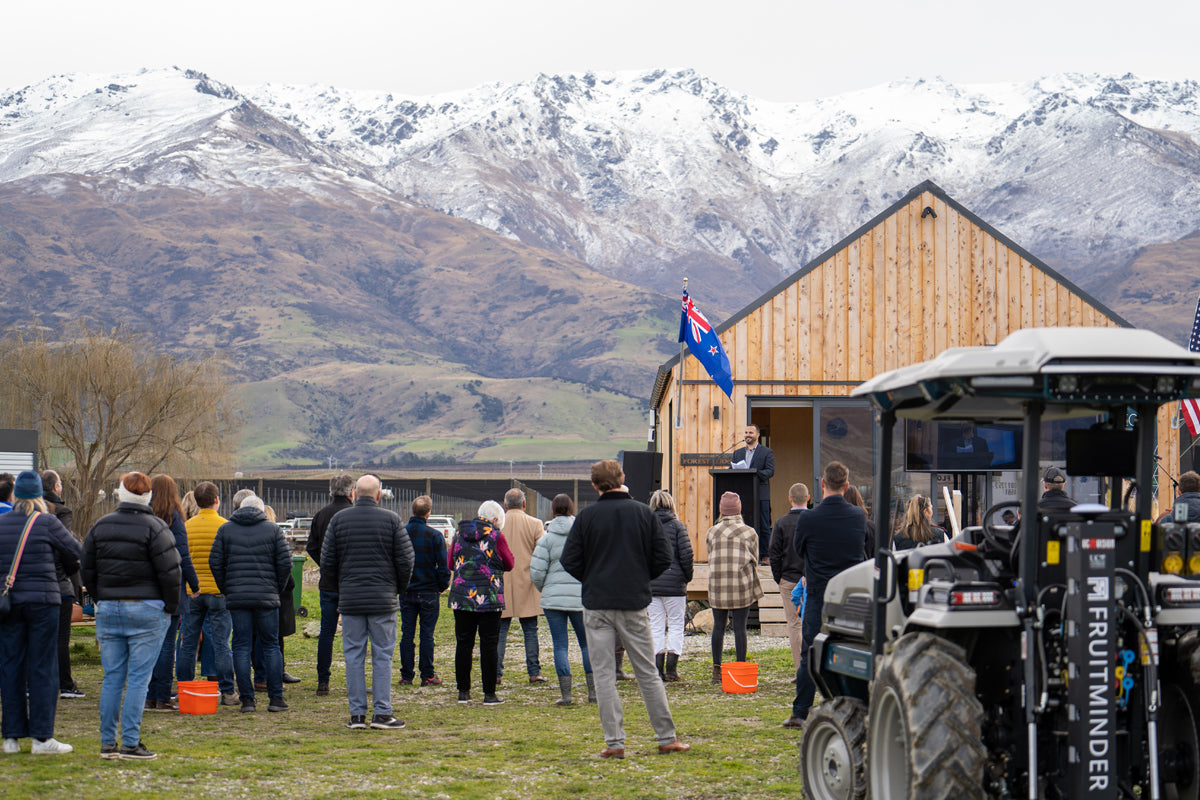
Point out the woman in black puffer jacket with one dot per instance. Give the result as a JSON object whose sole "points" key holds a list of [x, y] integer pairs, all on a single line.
{"points": [[668, 608], [30, 630], [131, 569]]}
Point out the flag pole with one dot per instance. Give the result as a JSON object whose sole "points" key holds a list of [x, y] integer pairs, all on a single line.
{"points": [[679, 383]]}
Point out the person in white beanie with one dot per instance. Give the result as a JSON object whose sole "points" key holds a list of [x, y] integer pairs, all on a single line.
{"points": [[131, 569]]}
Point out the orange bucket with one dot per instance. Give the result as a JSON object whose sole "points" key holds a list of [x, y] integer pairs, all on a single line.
{"points": [[739, 677], [198, 697]]}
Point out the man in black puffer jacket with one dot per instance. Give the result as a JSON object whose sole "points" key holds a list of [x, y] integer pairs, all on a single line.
{"points": [[369, 557], [251, 563]]}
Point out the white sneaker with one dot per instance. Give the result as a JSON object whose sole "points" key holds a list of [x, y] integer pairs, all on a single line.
{"points": [[11, 746], [50, 747]]}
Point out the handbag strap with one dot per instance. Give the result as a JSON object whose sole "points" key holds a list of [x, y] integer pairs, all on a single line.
{"points": [[12, 572]]}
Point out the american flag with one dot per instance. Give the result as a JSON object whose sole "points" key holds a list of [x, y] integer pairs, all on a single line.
{"points": [[1191, 408]]}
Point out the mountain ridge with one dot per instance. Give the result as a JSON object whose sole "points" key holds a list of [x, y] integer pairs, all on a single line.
{"points": [[536, 234]]}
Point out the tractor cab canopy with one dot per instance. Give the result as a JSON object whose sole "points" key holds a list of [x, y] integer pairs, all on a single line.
{"points": [[1069, 372]]}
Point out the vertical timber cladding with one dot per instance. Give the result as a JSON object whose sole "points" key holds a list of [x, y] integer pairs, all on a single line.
{"points": [[924, 275]]}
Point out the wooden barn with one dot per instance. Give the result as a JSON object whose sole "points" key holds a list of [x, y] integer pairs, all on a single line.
{"points": [[924, 275]]}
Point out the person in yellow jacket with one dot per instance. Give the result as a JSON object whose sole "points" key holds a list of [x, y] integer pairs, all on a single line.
{"points": [[208, 603]]}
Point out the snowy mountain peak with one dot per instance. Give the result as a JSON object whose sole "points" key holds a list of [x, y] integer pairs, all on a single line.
{"points": [[647, 174]]}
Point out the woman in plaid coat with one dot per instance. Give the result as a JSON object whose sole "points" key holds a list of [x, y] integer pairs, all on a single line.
{"points": [[733, 583]]}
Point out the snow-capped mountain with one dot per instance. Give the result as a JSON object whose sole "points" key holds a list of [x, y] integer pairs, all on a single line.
{"points": [[451, 275], [651, 176]]}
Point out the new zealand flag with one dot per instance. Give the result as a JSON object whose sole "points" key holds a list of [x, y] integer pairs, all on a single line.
{"points": [[696, 332]]}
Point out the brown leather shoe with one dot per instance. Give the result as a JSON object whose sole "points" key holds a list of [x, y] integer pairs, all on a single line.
{"points": [[674, 747], [613, 752], [539, 678], [795, 723]]}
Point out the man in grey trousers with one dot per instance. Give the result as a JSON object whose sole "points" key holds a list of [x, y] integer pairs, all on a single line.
{"points": [[615, 548], [368, 556]]}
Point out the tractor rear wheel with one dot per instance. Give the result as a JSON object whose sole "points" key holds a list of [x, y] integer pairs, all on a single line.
{"points": [[925, 735], [833, 750]]}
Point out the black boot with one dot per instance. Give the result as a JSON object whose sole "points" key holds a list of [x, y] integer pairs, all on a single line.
{"points": [[659, 660], [622, 675], [672, 668]]}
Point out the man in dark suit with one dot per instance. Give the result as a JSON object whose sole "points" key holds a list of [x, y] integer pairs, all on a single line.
{"points": [[830, 538], [759, 456]]}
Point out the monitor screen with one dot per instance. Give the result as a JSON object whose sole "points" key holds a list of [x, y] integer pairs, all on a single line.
{"points": [[961, 446]]}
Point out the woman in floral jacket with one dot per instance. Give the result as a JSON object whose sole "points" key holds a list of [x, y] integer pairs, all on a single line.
{"points": [[733, 583], [478, 557]]}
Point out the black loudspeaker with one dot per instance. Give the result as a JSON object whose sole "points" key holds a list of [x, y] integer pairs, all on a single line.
{"points": [[643, 473]]}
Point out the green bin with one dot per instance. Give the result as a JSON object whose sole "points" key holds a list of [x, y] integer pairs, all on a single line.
{"points": [[298, 578]]}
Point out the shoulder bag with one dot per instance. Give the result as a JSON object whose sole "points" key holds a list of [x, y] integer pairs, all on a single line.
{"points": [[5, 599]]}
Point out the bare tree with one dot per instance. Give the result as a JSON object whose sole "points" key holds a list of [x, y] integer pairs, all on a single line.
{"points": [[105, 402]]}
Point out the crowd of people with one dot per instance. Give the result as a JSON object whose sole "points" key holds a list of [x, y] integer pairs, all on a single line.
{"points": [[174, 583]]}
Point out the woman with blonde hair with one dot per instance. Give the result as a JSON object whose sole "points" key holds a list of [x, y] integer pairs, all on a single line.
{"points": [[668, 606], [918, 528], [30, 538]]}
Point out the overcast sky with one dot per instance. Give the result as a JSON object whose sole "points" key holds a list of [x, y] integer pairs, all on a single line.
{"points": [[786, 50]]}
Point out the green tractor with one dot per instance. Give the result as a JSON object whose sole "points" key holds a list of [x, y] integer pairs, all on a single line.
{"points": [[1055, 657]]}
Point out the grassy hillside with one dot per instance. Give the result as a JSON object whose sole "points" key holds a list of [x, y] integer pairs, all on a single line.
{"points": [[352, 329]]}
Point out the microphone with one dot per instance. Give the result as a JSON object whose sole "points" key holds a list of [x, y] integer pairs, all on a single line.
{"points": [[734, 446]]}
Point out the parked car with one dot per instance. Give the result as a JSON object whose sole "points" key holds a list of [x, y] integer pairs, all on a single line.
{"points": [[296, 530], [444, 523]]}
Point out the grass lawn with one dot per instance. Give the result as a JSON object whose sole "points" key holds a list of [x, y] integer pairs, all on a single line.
{"points": [[526, 748]]}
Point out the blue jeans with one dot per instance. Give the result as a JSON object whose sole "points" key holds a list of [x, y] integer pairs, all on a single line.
{"points": [[529, 629], [805, 688], [263, 623], [380, 631], [415, 606], [329, 622], [164, 668], [557, 620], [130, 633], [210, 608], [29, 647]]}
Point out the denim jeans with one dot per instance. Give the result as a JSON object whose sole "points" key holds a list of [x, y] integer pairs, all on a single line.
{"points": [[379, 630], [557, 622], [29, 646], [806, 690], [329, 622], [529, 629], [466, 623], [130, 633], [264, 624], [416, 606], [210, 608], [164, 668]]}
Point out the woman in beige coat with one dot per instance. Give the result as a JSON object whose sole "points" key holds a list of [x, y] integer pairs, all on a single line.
{"points": [[733, 583]]}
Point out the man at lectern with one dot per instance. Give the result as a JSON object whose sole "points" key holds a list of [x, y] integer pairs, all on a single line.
{"points": [[758, 456]]}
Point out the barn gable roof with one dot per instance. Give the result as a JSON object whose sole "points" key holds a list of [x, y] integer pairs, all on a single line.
{"points": [[664, 369]]}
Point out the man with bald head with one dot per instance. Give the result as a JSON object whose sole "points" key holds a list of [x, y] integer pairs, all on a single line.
{"points": [[367, 555]]}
